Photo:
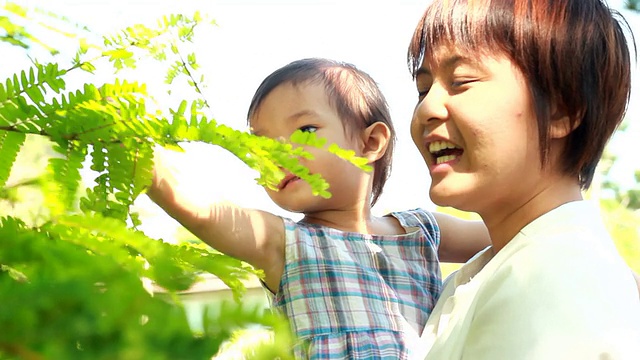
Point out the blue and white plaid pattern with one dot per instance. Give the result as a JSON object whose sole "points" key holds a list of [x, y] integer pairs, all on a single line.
{"points": [[356, 296]]}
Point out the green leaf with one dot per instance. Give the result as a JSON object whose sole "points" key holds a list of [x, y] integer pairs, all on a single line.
{"points": [[88, 67], [3, 93], [10, 144], [117, 54], [24, 80], [35, 94]]}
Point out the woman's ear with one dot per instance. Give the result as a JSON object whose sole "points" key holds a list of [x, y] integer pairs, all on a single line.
{"points": [[375, 141], [561, 126]]}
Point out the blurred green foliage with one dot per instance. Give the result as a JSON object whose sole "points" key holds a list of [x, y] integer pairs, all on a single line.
{"points": [[73, 264], [624, 225]]}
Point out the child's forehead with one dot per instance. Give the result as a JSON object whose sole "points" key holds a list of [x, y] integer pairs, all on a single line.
{"points": [[305, 96], [294, 104], [308, 88]]}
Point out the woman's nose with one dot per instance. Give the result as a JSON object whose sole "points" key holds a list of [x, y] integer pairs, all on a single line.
{"points": [[433, 105]]}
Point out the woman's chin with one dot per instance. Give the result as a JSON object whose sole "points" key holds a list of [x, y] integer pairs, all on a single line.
{"points": [[446, 197]]}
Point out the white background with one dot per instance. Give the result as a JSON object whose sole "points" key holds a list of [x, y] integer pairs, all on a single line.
{"points": [[252, 39]]}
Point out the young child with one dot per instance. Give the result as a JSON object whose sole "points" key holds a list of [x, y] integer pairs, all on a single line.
{"points": [[352, 284]]}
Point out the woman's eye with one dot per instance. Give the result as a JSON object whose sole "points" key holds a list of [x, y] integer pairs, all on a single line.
{"points": [[461, 82], [423, 91], [309, 128]]}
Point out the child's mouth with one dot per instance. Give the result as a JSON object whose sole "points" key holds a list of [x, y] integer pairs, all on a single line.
{"points": [[287, 180]]}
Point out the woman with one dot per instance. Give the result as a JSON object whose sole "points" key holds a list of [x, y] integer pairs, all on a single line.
{"points": [[517, 100]]}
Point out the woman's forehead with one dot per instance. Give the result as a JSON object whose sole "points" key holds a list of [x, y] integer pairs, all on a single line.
{"points": [[448, 55]]}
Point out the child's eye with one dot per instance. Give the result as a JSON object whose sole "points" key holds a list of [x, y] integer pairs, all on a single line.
{"points": [[308, 128]]}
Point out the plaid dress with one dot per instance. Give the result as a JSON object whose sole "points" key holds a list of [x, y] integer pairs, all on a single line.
{"points": [[356, 296]]}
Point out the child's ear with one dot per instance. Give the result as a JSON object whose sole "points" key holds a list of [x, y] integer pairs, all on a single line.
{"points": [[375, 141]]}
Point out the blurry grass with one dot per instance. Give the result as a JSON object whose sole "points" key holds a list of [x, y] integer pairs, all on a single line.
{"points": [[624, 226], [448, 268]]}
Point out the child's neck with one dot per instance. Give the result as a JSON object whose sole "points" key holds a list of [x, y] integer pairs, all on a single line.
{"points": [[355, 221]]}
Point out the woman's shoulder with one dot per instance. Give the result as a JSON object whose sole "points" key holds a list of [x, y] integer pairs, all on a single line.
{"points": [[559, 263]]}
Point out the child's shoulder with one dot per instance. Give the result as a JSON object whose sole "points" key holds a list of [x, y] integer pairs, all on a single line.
{"points": [[415, 217], [421, 221]]}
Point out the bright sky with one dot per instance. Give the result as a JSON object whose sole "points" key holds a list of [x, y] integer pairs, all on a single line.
{"points": [[253, 38]]}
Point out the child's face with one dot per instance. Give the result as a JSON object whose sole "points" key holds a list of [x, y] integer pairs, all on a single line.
{"points": [[306, 107], [476, 129]]}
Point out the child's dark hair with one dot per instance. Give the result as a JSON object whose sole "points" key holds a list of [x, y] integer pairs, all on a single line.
{"points": [[353, 94], [573, 54]]}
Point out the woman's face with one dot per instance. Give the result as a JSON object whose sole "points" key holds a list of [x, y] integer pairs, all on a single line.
{"points": [[476, 129]]}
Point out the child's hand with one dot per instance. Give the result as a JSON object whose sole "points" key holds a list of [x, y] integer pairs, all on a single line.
{"points": [[254, 236], [164, 175], [198, 177]]}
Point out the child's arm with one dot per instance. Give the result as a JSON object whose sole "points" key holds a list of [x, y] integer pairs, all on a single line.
{"points": [[460, 239], [254, 236]]}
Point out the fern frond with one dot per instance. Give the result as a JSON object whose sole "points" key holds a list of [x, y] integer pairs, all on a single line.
{"points": [[142, 169], [98, 157], [161, 256], [93, 115], [27, 82], [71, 282], [96, 244], [124, 170], [231, 271], [78, 285], [267, 156], [66, 171], [120, 165], [10, 144], [51, 189], [19, 114], [350, 156]]}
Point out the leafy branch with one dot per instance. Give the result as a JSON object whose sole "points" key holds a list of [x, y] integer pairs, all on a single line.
{"points": [[71, 283]]}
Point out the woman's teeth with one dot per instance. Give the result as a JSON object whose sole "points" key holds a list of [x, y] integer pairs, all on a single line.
{"points": [[444, 159]]}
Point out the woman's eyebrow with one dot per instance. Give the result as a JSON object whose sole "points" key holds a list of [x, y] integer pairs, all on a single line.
{"points": [[447, 63]]}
